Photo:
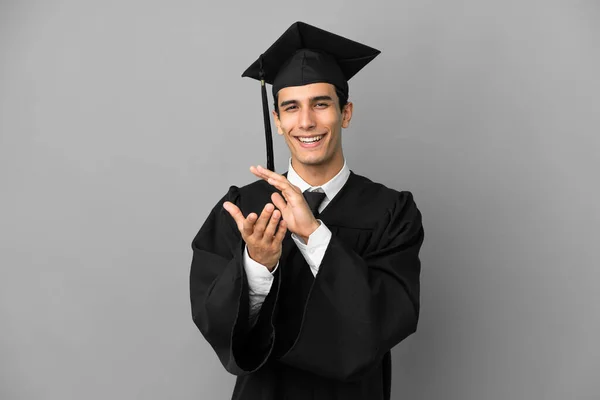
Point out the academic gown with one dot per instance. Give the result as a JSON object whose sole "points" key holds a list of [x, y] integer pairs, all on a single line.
{"points": [[324, 337]]}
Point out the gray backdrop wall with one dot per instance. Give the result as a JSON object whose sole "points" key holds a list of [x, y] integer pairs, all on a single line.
{"points": [[122, 123]]}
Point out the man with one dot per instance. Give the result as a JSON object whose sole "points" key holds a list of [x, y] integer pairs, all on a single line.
{"points": [[303, 282]]}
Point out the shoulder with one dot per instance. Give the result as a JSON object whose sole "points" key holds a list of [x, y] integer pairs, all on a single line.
{"points": [[369, 191], [250, 189], [394, 213], [371, 205]]}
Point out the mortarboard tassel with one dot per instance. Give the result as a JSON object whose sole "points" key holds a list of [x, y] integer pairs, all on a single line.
{"points": [[267, 120]]}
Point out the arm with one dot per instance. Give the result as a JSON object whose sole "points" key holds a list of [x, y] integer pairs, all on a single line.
{"points": [[260, 280], [361, 306], [314, 249], [219, 293]]}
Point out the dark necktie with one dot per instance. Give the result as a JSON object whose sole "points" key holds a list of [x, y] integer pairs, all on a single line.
{"points": [[314, 200]]}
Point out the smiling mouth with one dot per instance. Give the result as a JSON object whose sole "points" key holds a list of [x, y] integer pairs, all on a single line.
{"points": [[311, 139]]}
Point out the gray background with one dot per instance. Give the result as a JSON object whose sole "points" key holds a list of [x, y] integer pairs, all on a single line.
{"points": [[122, 123]]}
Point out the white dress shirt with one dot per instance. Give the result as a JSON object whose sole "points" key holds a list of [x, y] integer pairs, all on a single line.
{"points": [[259, 277]]}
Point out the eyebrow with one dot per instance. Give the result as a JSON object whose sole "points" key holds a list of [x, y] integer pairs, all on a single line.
{"points": [[312, 100]]}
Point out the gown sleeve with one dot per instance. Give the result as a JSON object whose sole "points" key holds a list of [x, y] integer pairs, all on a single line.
{"points": [[359, 307], [219, 294]]}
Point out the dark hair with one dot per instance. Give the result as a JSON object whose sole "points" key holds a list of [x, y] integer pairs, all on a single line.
{"points": [[342, 97]]}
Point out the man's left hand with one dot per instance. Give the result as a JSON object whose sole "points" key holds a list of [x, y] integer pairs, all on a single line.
{"points": [[294, 209]]}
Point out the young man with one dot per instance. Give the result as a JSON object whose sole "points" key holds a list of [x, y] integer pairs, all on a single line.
{"points": [[303, 282]]}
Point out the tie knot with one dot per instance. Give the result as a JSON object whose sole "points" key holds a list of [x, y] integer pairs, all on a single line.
{"points": [[314, 200]]}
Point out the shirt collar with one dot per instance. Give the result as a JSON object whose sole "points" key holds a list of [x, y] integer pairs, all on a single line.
{"points": [[331, 188]]}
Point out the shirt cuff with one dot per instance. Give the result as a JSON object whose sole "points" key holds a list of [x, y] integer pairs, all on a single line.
{"points": [[259, 277], [314, 250]]}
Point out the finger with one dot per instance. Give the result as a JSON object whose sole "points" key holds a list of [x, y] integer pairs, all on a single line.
{"points": [[280, 232], [278, 201], [272, 226], [270, 176], [235, 213], [273, 177], [279, 184], [263, 220], [248, 225], [262, 173], [292, 197], [284, 185], [267, 172], [256, 172], [278, 181]]}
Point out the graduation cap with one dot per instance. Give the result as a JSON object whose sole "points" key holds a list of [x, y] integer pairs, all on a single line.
{"points": [[305, 54]]}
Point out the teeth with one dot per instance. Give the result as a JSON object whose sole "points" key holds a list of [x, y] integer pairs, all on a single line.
{"points": [[310, 140]]}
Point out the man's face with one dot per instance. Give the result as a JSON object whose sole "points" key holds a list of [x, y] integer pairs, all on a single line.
{"points": [[311, 122]]}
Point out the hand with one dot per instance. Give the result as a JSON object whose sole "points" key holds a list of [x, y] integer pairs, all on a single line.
{"points": [[262, 236], [294, 209]]}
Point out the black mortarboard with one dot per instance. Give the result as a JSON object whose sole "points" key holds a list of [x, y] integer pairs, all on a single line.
{"points": [[305, 54]]}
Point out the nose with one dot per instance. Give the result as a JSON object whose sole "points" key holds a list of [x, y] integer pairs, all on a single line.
{"points": [[307, 119]]}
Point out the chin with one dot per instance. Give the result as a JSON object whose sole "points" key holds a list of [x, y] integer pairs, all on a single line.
{"points": [[308, 160]]}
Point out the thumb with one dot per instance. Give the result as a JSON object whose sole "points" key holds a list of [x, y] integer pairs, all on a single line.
{"points": [[278, 201]]}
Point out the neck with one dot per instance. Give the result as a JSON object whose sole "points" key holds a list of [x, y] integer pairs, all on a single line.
{"points": [[318, 175]]}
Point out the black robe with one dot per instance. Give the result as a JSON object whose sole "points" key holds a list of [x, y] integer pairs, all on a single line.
{"points": [[324, 337]]}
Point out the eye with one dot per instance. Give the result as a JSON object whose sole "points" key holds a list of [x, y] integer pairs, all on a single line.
{"points": [[291, 108], [322, 105]]}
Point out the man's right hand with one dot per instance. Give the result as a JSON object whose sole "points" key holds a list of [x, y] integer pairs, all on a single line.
{"points": [[263, 235]]}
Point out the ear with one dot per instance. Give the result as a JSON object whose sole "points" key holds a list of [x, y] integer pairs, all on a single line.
{"points": [[277, 122], [347, 114]]}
